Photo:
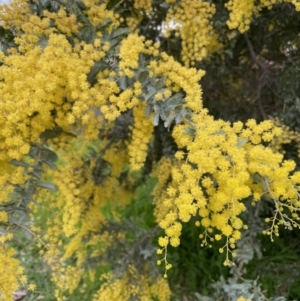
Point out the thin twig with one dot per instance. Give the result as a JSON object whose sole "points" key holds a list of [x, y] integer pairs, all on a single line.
{"points": [[261, 84], [252, 53], [262, 79]]}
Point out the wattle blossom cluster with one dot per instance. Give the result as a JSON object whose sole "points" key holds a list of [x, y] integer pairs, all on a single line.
{"points": [[141, 135], [180, 78], [288, 136], [218, 168], [145, 5], [133, 285], [45, 85], [193, 23], [11, 271], [242, 12]]}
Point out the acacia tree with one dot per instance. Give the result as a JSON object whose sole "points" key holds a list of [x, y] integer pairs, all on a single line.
{"points": [[96, 96]]}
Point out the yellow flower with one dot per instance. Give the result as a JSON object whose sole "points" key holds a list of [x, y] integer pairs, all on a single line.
{"points": [[31, 287]]}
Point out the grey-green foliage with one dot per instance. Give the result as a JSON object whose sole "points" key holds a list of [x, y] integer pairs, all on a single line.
{"points": [[43, 156], [135, 248], [168, 109], [17, 207], [231, 290]]}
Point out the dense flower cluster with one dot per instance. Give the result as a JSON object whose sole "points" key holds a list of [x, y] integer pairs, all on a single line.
{"points": [[180, 78], [288, 136], [85, 186], [141, 135], [11, 272], [216, 175], [242, 12], [163, 173], [129, 54], [51, 84], [193, 22], [145, 5], [46, 87], [133, 285], [97, 14]]}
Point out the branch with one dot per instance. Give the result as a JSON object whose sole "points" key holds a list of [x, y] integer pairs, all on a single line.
{"points": [[261, 84], [252, 53], [261, 81]]}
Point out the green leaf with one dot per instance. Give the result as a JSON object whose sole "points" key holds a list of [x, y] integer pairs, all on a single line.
{"points": [[148, 110], [143, 76], [37, 175], [49, 157], [178, 118], [264, 183], [43, 42], [156, 108], [119, 32], [155, 119], [220, 132], [175, 100], [114, 42], [34, 150], [142, 62], [164, 5], [18, 163], [50, 134], [98, 66], [123, 82], [160, 83], [151, 92], [169, 120], [28, 194], [107, 211], [256, 178], [229, 53], [146, 253], [25, 194], [50, 164], [104, 24], [163, 114], [241, 142], [190, 132], [47, 185]]}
